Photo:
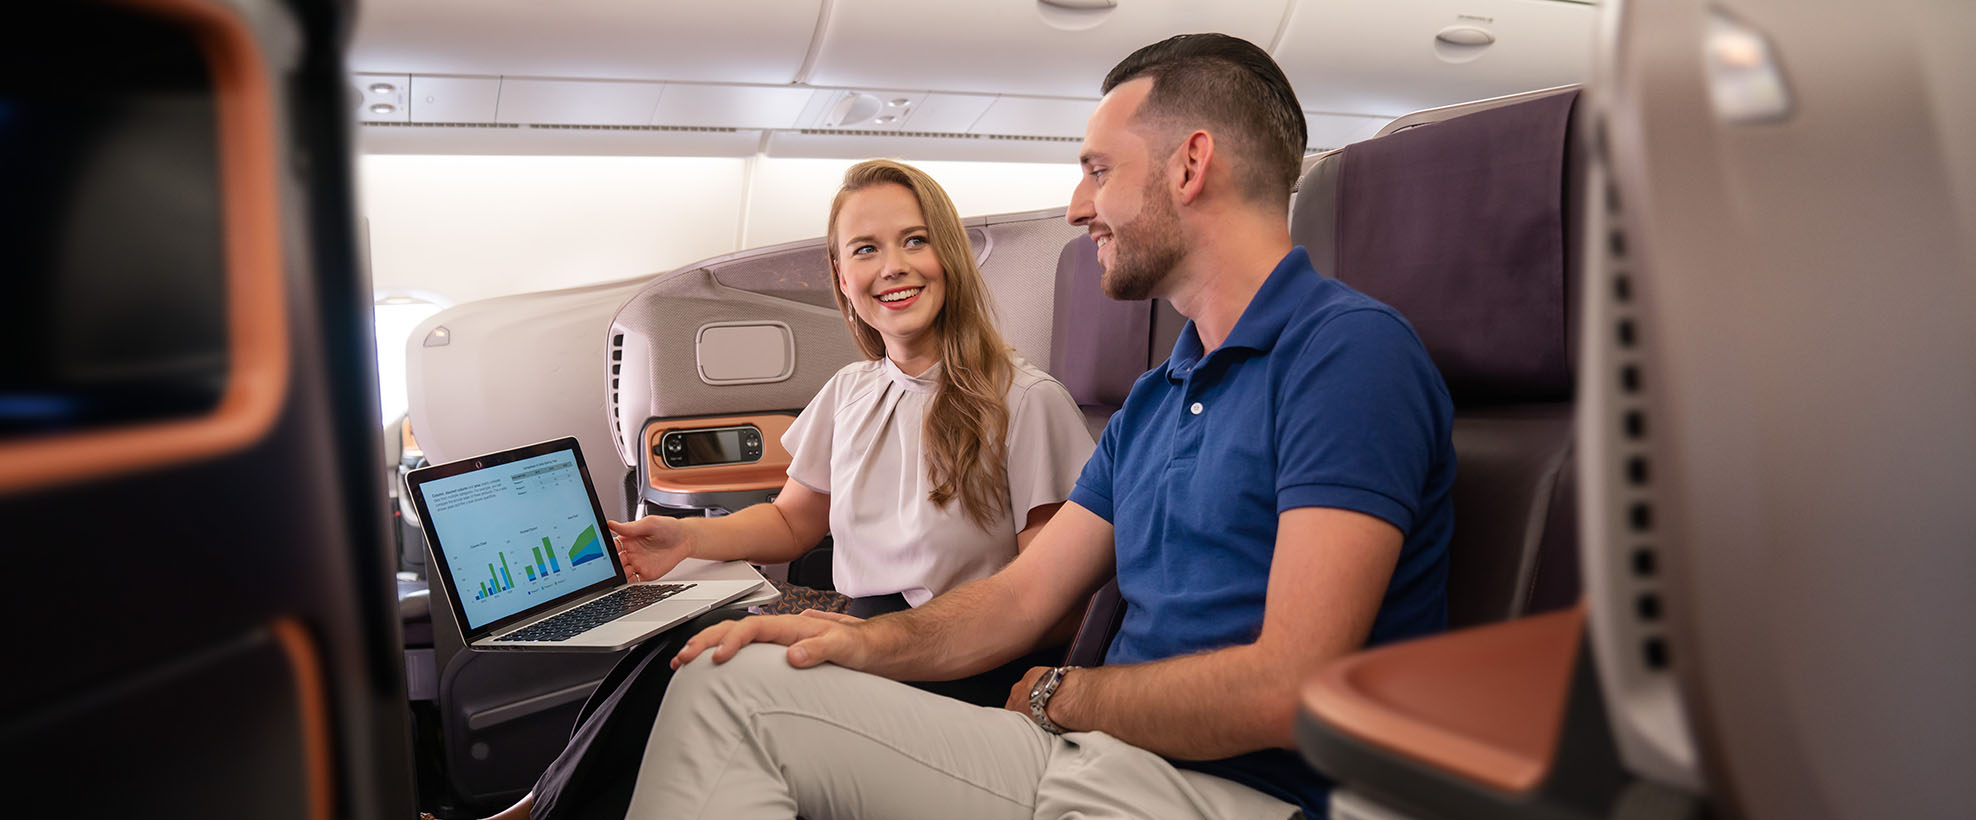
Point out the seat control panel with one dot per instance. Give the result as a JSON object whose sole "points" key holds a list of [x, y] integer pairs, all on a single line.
{"points": [[709, 446]]}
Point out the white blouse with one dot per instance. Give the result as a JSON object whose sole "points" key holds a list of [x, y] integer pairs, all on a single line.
{"points": [[860, 441]]}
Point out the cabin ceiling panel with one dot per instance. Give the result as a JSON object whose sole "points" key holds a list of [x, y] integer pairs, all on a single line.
{"points": [[949, 112], [1012, 46], [604, 39], [531, 141], [578, 102], [916, 148], [731, 106], [1035, 116], [1385, 57], [454, 99]]}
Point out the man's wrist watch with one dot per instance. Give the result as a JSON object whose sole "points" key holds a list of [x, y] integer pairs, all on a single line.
{"points": [[1039, 698]]}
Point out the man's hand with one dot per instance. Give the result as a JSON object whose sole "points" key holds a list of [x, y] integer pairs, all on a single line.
{"points": [[1019, 693], [813, 638], [651, 546]]}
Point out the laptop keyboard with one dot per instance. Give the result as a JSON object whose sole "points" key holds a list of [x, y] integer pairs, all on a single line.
{"points": [[591, 615]]}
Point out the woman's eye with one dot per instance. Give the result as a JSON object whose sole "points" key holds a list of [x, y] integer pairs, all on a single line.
{"points": [[862, 250], [915, 241]]}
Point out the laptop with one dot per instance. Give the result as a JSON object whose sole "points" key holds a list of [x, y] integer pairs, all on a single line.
{"points": [[527, 564]]}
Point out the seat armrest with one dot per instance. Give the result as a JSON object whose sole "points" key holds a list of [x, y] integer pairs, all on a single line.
{"points": [[1101, 620], [1499, 721], [1483, 704]]}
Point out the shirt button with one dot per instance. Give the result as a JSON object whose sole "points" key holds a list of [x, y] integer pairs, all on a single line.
{"points": [[1196, 409]]}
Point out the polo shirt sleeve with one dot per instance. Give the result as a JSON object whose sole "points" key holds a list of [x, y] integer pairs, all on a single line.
{"points": [[1094, 485], [1047, 445], [808, 439], [1360, 417]]}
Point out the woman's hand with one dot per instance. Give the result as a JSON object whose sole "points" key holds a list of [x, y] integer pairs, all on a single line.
{"points": [[651, 546], [812, 637]]}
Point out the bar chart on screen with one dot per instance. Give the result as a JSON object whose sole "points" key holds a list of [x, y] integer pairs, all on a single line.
{"points": [[519, 534]]}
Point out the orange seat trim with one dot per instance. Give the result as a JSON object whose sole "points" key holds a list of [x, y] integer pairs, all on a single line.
{"points": [[1484, 704]]}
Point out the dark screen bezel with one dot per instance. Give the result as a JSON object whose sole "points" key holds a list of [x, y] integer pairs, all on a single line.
{"points": [[718, 434], [415, 481]]}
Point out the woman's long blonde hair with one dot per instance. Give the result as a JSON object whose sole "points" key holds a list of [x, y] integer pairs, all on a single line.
{"points": [[967, 426]]}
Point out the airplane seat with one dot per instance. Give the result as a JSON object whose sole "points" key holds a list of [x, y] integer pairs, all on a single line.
{"points": [[1463, 219], [1456, 219], [189, 461], [482, 376], [1774, 394]]}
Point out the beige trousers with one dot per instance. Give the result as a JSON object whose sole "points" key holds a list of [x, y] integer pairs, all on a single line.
{"points": [[755, 738]]}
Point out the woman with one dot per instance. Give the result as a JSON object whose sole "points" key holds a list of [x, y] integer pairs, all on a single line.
{"points": [[932, 464]]}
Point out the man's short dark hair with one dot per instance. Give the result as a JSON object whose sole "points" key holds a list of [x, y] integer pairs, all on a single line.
{"points": [[1232, 89]]}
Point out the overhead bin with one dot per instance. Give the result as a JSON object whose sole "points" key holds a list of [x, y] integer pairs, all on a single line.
{"points": [[1393, 56], [603, 39], [1012, 46]]}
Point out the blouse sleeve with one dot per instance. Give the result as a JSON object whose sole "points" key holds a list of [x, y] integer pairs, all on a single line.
{"points": [[808, 439], [1047, 447]]}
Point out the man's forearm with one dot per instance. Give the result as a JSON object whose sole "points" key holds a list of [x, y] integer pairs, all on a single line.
{"points": [[1194, 707], [968, 630]]}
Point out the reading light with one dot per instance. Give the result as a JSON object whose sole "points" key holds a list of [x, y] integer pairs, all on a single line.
{"points": [[383, 108], [1745, 83], [382, 88]]}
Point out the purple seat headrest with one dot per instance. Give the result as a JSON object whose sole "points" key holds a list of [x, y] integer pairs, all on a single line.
{"points": [[1099, 345], [1459, 225]]}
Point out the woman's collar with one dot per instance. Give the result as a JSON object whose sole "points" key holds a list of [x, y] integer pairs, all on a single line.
{"points": [[926, 382]]}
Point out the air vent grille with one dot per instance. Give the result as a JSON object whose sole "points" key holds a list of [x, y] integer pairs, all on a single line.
{"points": [[691, 129], [512, 126], [854, 132], [1632, 467], [394, 124], [617, 368]]}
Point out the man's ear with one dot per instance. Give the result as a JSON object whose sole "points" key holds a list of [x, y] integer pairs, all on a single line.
{"points": [[1195, 155]]}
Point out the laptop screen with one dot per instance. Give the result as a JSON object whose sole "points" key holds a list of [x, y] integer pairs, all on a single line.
{"points": [[517, 535]]}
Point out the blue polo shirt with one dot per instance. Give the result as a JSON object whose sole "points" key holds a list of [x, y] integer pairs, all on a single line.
{"points": [[1319, 397]]}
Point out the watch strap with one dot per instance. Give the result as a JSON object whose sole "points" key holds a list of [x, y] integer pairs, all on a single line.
{"points": [[1039, 698]]}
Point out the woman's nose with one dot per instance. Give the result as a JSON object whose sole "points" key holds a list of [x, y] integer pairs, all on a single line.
{"points": [[896, 264]]}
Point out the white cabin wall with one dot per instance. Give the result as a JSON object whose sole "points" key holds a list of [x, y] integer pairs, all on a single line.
{"points": [[790, 197], [473, 227]]}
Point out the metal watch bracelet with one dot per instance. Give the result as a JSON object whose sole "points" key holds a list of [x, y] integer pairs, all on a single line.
{"points": [[1039, 698]]}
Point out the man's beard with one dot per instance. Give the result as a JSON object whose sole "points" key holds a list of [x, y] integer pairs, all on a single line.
{"points": [[1148, 248]]}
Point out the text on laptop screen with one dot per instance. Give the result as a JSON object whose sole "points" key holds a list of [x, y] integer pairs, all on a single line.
{"points": [[516, 535]]}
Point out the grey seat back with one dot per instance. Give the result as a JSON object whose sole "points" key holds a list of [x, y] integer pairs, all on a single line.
{"points": [[1459, 224]]}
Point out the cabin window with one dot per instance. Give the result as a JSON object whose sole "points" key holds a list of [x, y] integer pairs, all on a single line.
{"points": [[397, 314]]}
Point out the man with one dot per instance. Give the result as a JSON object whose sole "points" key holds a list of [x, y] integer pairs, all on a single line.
{"points": [[1274, 496]]}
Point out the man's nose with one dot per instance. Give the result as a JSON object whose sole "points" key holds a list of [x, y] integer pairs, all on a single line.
{"points": [[1081, 211]]}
